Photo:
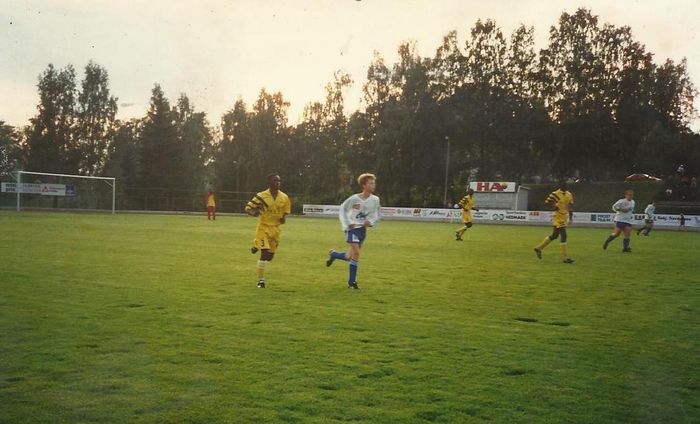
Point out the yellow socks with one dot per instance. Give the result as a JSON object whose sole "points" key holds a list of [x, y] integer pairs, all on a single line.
{"points": [[562, 246]]}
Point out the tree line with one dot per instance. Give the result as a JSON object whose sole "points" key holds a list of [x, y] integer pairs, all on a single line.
{"points": [[592, 104]]}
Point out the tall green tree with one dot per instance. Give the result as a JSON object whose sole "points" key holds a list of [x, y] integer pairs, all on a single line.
{"points": [[520, 70], [234, 147], [448, 68], [159, 144], [95, 120], [124, 156], [579, 70], [525, 132], [377, 89], [417, 147], [486, 55], [674, 95], [334, 121], [10, 149], [633, 113], [50, 136], [269, 131], [484, 97], [195, 141]]}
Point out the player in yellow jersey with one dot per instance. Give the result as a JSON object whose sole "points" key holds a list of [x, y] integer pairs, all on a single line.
{"points": [[467, 205], [562, 200], [210, 201], [272, 207]]}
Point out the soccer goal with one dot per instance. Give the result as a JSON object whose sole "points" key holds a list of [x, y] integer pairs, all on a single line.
{"points": [[43, 190]]}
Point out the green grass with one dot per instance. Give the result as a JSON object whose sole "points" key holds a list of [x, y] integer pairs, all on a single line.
{"points": [[137, 318]]}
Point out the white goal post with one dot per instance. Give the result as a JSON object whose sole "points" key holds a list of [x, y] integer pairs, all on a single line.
{"points": [[19, 189]]}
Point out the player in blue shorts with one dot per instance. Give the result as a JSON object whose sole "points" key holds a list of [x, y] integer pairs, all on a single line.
{"points": [[357, 212], [624, 216]]}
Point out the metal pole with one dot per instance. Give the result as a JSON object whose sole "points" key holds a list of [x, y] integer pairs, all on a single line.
{"points": [[114, 193], [18, 187], [447, 168], [238, 175]]}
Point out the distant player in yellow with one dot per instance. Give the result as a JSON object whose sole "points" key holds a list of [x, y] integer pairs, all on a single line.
{"points": [[272, 206], [210, 201], [562, 200], [467, 205]]}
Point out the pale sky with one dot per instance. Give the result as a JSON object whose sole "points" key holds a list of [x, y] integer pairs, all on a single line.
{"points": [[218, 50]]}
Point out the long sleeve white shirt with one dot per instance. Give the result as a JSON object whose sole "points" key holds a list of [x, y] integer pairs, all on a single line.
{"points": [[355, 210]]}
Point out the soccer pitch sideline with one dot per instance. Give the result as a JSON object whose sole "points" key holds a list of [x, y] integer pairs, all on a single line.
{"points": [[149, 318]]}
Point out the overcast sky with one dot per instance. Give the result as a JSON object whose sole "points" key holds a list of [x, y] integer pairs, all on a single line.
{"points": [[219, 50]]}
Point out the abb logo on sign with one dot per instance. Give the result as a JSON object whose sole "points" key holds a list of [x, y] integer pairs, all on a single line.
{"points": [[492, 187]]}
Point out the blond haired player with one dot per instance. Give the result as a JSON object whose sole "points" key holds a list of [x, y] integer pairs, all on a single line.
{"points": [[272, 207], [357, 212], [562, 200]]}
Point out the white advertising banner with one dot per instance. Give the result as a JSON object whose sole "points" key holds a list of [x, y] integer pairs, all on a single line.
{"points": [[53, 189], [23, 188], [539, 216], [321, 209], [532, 217], [493, 186], [30, 188]]}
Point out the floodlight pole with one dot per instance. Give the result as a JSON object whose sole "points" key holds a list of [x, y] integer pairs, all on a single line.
{"points": [[447, 168]]}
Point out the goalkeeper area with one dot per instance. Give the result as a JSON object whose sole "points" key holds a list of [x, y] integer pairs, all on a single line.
{"points": [[154, 318], [27, 190]]}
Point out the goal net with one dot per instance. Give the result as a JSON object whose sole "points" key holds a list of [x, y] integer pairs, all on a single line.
{"points": [[28, 190]]}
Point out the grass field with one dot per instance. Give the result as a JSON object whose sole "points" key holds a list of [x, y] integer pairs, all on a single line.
{"points": [[138, 318]]}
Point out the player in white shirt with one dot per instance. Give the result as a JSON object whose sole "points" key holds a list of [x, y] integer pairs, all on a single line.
{"points": [[624, 217], [357, 212], [648, 219]]}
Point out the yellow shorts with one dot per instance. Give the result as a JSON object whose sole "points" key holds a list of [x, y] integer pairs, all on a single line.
{"points": [[560, 221], [267, 237], [467, 217]]}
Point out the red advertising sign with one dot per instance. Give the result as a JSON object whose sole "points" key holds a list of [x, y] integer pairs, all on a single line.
{"points": [[493, 186]]}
